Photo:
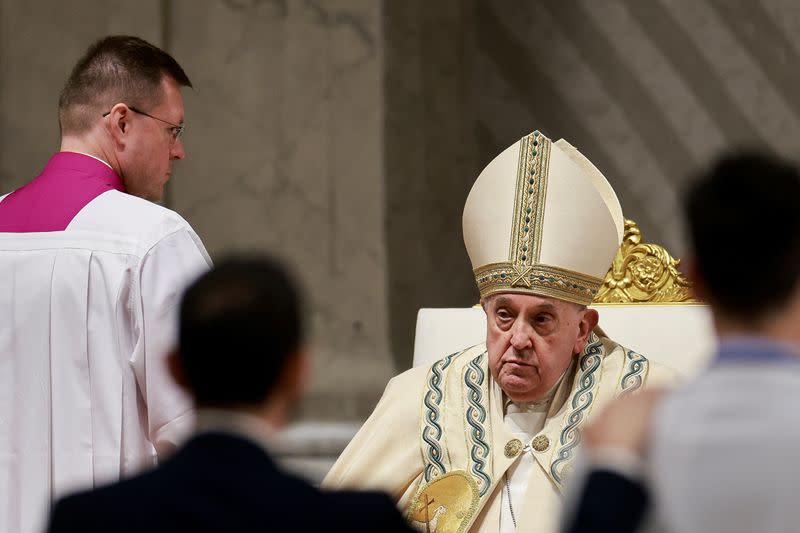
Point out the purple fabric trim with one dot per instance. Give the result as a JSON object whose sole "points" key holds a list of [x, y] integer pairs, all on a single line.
{"points": [[50, 202]]}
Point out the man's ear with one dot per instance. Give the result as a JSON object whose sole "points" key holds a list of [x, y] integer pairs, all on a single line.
{"points": [[587, 323], [296, 374], [287, 391], [176, 370], [118, 124]]}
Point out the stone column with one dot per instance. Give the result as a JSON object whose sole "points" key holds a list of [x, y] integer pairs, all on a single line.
{"points": [[430, 159], [284, 141]]}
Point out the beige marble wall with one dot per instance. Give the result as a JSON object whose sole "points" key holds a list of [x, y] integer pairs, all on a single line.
{"points": [[285, 141], [430, 159]]}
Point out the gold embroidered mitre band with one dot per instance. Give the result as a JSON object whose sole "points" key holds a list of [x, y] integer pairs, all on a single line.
{"points": [[541, 219]]}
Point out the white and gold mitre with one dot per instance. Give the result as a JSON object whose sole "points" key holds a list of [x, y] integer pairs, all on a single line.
{"points": [[541, 219]]}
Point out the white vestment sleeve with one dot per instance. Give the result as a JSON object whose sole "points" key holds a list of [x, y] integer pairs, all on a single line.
{"points": [[164, 273], [385, 453]]}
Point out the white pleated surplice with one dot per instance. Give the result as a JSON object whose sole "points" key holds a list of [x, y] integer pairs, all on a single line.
{"points": [[87, 316]]}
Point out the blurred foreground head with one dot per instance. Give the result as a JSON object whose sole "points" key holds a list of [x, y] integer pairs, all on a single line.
{"points": [[744, 226], [240, 336]]}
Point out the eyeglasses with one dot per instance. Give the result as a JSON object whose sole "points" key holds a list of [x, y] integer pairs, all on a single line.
{"points": [[176, 130]]}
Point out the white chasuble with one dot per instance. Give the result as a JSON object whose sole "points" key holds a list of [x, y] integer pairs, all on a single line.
{"points": [[438, 441]]}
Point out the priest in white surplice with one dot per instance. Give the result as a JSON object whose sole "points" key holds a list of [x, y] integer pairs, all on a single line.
{"points": [[90, 276], [484, 439]]}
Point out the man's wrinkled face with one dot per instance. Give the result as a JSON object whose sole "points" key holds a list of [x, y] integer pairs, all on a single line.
{"points": [[531, 341]]}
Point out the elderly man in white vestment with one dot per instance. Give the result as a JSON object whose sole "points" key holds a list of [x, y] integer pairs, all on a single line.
{"points": [[90, 277], [484, 439]]}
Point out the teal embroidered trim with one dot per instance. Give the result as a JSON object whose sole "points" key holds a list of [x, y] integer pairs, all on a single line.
{"points": [[635, 371], [588, 363], [432, 430], [474, 378]]}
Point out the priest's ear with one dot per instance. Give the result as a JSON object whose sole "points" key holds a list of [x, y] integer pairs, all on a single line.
{"points": [[117, 123], [175, 367], [293, 378]]}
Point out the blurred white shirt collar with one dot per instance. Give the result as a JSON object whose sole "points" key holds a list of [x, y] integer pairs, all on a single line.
{"points": [[236, 423]]}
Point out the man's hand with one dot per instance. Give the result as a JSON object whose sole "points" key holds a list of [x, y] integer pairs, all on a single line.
{"points": [[623, 425]]}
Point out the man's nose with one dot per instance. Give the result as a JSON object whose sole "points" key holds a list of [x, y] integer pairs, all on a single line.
{"points": [[521, 337], [176, 150]]}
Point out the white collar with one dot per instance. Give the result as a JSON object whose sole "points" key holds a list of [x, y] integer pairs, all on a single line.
{"points": [[93, 157]]}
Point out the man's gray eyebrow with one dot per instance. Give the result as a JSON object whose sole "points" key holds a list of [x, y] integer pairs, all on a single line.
{"points": [[501, 300], [504, 300]]}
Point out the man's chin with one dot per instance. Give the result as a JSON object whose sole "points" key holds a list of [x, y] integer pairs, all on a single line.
{"points": [[519, 389]]}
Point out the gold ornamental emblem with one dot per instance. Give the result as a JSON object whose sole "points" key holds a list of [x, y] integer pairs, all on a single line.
{"points": [[513, 447], [446, 504], [540, 443]]}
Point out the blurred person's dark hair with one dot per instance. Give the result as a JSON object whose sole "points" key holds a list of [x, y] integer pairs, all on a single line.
{"points": [[744, 227], [116, 69], [239, 325]]}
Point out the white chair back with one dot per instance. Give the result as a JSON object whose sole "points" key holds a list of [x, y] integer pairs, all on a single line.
{"points": [[677, 335]]}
